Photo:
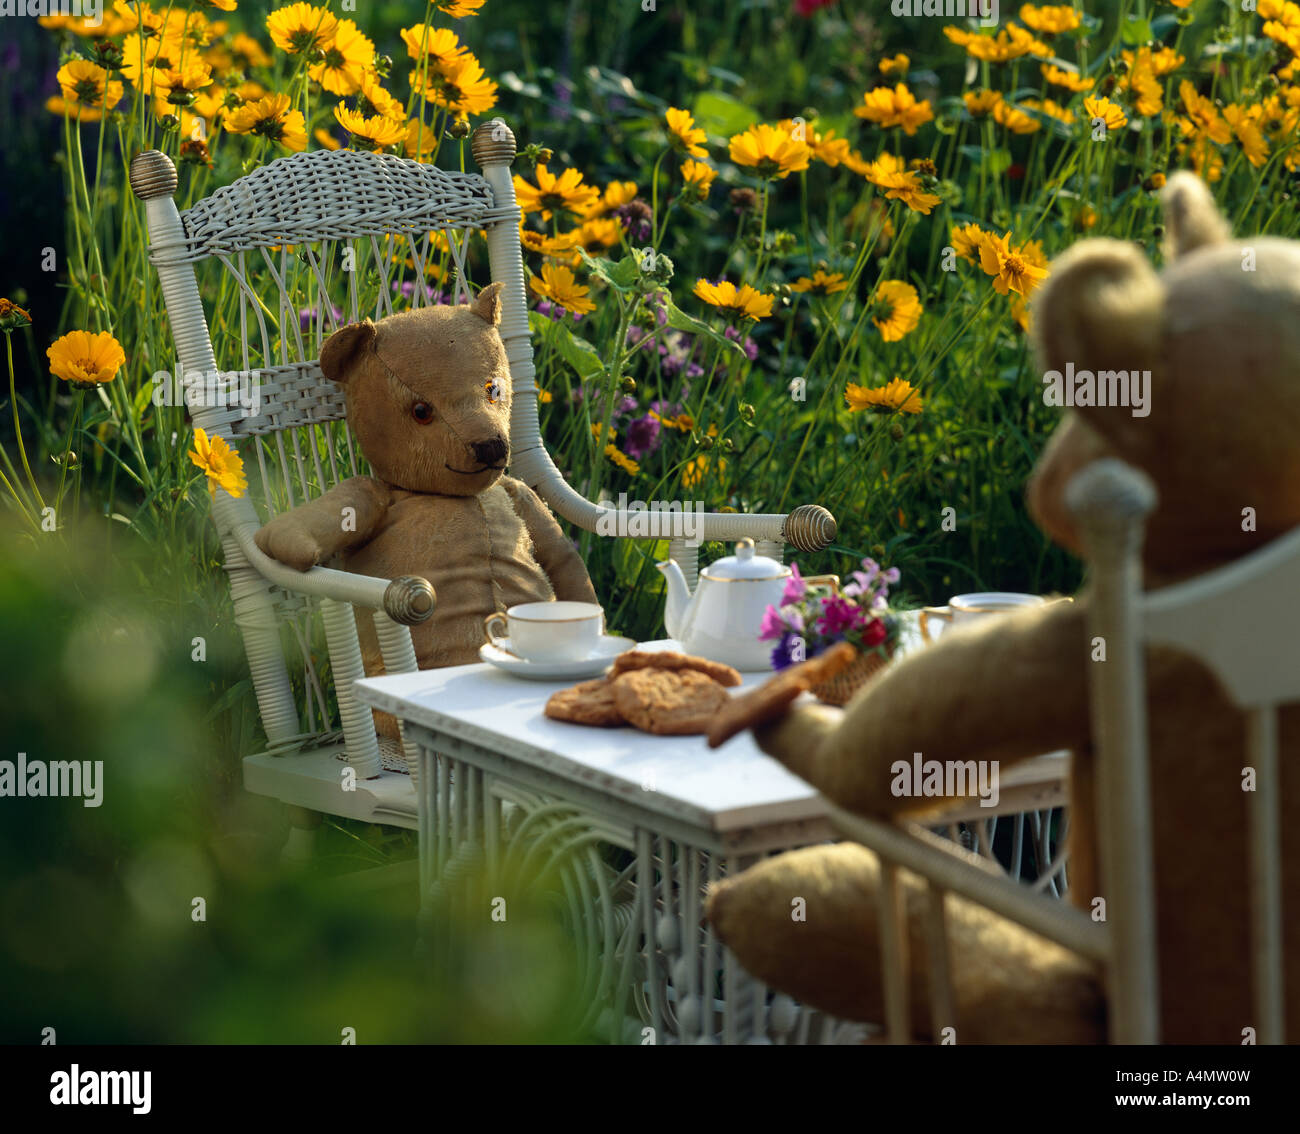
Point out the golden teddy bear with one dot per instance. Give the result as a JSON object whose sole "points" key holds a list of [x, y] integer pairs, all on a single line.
{"points": [[428, 399], [1219, 330]]}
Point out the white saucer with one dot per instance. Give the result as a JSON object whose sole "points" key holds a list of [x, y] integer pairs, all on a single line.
{"points": [[593, 665]]}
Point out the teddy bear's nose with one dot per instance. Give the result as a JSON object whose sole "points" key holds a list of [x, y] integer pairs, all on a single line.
{"points": [[489, 452]]}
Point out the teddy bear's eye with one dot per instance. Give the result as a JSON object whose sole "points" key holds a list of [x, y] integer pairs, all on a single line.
{"points": [[495, 390], [422, 412]]}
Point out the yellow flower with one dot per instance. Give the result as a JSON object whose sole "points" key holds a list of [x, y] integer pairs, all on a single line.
{"points": [[979, 103], [87, 87], [373, 133], [1015, 120], [85, 358], [622, 460], [176, 85], [698, 177], [1204, 157], [1011, 269], [1109, 113], [1141, 83], [373, 99], [899, 184], [13, 317], [246, 49], [1070, 80], [897, 65], [1049, 18], [737, 303], [896, 309], [770, 151], [1159, 62], [825, 147], [552, 194], [898, 107], [421, 141], [683, 421], [544, 396], [461, 86], [821, 283], [966, 241], [617, 194], [598, 233], [551, 245], [695, 470], [272, 118], [1245, 126], [430, 47], [561, 288], [1202, 116], [684, 134], [1051, 109], [325, 139], [897, 395], [221, 464], [348, 56], [1010, 43], [458, 8], [297, 28]]}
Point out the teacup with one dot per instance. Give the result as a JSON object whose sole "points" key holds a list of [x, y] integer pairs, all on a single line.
{"points": [[548, 631], [964, 609]]}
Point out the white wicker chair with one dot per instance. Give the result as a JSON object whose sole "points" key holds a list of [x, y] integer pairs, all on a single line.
{"points": [[288, 230], [1219, 618]]}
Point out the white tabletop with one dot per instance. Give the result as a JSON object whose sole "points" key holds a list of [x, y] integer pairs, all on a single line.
{"points": [[720, 789]]}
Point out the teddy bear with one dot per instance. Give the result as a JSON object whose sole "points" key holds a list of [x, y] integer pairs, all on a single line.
{"points": [[428, 397], [1219, 332]]}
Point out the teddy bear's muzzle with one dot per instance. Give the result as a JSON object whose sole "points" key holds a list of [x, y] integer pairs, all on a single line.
{"points": [[490, 453]]}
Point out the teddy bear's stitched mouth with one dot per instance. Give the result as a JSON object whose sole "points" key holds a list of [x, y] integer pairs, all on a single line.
{"points": [[475, 472]]}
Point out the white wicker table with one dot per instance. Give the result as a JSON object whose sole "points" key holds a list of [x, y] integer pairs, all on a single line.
{"points": [[684, 815]]}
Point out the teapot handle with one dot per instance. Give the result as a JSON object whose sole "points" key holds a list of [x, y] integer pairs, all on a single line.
{"points": [[832, 581]]}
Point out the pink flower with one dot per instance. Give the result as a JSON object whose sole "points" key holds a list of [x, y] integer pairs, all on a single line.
{"points": [[806, 8], [795, 587], [839, 616], [773, 625]]}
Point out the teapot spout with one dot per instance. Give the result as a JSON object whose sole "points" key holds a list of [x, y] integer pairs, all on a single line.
{"points": [[679, 597]]}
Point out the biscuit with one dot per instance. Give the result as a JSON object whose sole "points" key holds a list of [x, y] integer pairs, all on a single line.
{"points": [[588, 702], [668, 702], [671, 660], [771, 699]]}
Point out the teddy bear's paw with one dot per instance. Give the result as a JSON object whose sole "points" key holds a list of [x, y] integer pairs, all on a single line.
{"points": [[287, 541]]}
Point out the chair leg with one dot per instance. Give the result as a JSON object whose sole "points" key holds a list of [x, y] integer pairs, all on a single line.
{"points": [[303, 828]]}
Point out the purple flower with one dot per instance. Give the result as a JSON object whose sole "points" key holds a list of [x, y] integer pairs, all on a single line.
{"points": [[636, 216], [308, 317], [839, 616], [554, 311], [749, 346], [407, 288], [789, 650], [795, 587], [642, 437], [773, 625]]}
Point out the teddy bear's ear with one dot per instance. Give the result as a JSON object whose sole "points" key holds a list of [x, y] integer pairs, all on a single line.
{"points": [[342, 348], [1192, 219], [1102, 308], [488, 304]]}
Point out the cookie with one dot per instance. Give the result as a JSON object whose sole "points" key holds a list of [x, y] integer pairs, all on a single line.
{"points": [[670, 660], [668, 702], [588, 702], [771, 699]]}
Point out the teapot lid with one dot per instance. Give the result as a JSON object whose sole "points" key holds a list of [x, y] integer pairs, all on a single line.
{"points": [[745, 565]]}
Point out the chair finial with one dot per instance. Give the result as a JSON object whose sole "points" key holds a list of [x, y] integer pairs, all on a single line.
{"points": [[493, 143], [810, 527], [152, 175]]}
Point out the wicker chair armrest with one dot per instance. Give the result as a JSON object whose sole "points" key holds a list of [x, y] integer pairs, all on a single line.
{"points": [[407, 600]]}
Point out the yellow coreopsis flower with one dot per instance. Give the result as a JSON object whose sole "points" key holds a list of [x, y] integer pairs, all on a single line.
{"points": [[297, 28], [1203, 116], [1160, 62], [966, 241], [325, 139], [1050, 108], [430, 47], [734, 302], [698, 177], [1106, 111], [897, 107], [770, 151], [899, 184], [559, 245], [248, 51], [373, 99], [979, 103], [895, 309], [1049, 18], [349, 55], [374, 133], [1245, 127], [177, 85], [560, 286], [896, 396], [552, 194], [825, 147], [895, 65], [683, 133], [616, 194], [622, 460], [599, 233], [1015, 120], [220, 463], [86, 359], [461, 85], [1010, 43], [1070, 80], [271, 118], [1011, 269], [1204, 157], [458, 8], [87, 89], [821, 283]]}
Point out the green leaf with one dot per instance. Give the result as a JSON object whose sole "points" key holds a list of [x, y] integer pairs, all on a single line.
{"points": [[680, 321], [719, 113], [574, 349], [1136, 32]]}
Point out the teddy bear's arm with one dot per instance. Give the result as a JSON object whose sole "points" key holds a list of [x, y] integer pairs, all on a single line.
{"points": [[341, 518], [1005, 691], [551, 547]]}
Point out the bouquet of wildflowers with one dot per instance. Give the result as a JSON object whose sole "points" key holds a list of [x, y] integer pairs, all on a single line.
{"points": [[807, 623]]}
